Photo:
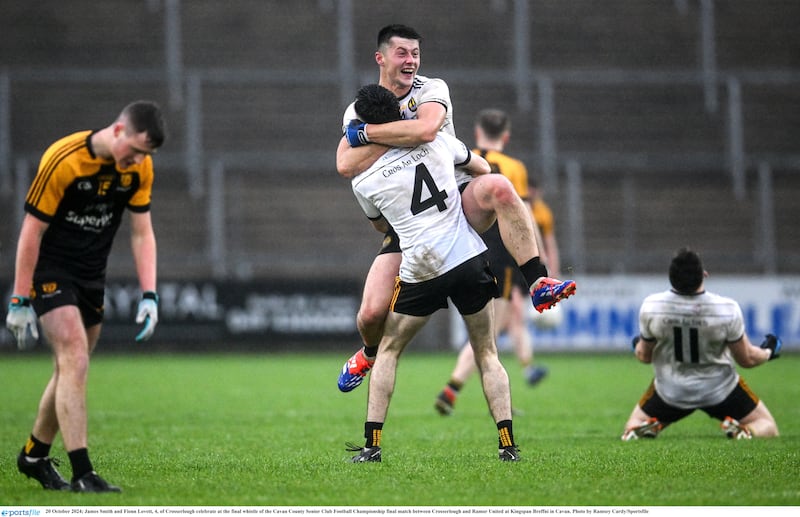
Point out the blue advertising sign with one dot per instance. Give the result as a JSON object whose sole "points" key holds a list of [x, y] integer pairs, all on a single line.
{"points": [[604, 313]]}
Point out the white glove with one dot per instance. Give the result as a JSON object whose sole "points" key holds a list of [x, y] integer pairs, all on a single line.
{"points": [[20, 318], [147, 313]]}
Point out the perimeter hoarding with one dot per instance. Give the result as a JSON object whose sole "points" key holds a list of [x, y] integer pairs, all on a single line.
{"points": [[604, 313], [210, 314], [266, 314]]}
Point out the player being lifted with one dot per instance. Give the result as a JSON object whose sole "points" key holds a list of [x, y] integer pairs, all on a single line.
{"points": [[426, 109], [442, 258]]}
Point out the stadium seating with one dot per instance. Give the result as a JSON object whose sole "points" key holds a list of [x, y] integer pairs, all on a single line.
{"points": [[287, 212]]}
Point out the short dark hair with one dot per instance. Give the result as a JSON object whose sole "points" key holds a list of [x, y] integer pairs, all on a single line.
{"points": [[493, 122], [397, 30], [686, 271], [146, 116], [377, 105]]}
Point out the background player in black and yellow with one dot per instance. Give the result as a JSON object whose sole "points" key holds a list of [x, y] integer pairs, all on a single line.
{"points": [[73, 210], [492, 133]]}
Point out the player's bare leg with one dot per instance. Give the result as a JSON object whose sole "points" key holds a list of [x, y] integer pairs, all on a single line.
{"points": [[465, 366], [63, 329], [34, 459], [399, 330], [378, 290], [641, 425], [371, 318], [63, 403], [45, 427], [465, 363], [494, 377], [492, 196], [760, 422]]}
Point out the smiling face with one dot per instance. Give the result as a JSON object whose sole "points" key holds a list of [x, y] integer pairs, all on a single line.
{"points": [[399, 61]]}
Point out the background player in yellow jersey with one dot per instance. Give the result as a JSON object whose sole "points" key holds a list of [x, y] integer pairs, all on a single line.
{"points": [[492, 133], [73, 209], [545, 223]]}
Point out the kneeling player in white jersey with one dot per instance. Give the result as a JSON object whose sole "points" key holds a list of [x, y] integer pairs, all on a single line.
{"points": [[694, 340], [415, 191]]}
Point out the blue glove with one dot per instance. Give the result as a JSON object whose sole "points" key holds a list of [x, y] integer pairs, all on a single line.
{"points": [[147, 313], [634, 341], [20, 320], [356, 133], [773, 344]]}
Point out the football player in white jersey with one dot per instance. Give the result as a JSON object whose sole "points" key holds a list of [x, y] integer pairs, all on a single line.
{"points": [[415, 191], [694, 340], [427, 110]]}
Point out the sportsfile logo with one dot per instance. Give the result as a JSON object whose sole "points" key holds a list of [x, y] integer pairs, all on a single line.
{"points": [[13, 513]]}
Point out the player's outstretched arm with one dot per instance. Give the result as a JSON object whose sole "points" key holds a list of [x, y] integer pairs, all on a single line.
{"points": [[748, 355]]}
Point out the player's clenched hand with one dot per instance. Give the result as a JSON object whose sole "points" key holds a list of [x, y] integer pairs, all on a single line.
{"points": [[147, 313], [20, 320], [773, 344], [356, 133]]}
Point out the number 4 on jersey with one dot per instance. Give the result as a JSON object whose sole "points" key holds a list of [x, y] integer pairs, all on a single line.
{"points": [[436, 198]]}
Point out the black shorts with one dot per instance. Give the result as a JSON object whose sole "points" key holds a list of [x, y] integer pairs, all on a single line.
{"points": [[738, 404], [391, 242], [57, 290], [470, 286], [503, 265]]}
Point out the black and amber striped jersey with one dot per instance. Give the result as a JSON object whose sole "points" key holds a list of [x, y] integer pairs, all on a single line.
{"points": [[82, 197], [511, 168], [517, 173], [503, 265]]}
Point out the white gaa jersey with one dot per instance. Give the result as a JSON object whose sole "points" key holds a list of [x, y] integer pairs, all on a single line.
{"points": [[416, 191], [692, 362], [423, 89]]}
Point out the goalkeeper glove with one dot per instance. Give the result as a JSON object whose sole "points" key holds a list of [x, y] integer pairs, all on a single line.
{"points": [[773, 344], [20, 319], [634, 341], [356, 133], [147, 313]]}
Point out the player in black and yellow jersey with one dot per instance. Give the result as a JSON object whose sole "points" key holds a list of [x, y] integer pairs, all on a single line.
{"points": [[73, 209], [492, 133]]}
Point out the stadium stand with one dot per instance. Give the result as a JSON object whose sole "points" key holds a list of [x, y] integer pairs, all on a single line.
{"points": [[261, 106]]}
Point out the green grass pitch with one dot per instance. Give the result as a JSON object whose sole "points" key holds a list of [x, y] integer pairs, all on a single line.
{"points": [[269, 430]]}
